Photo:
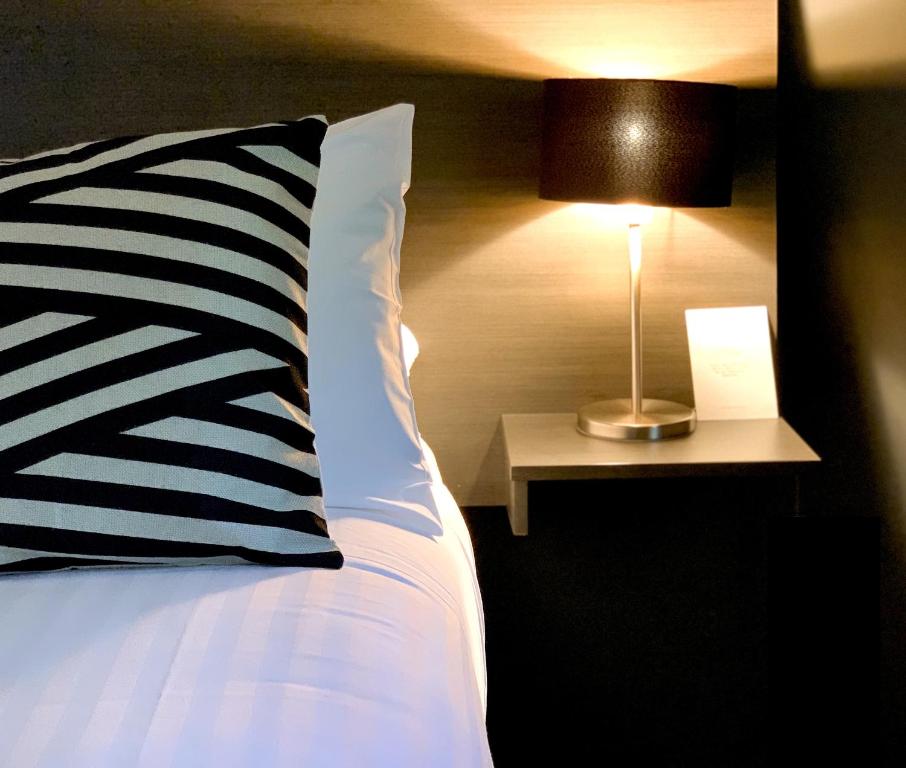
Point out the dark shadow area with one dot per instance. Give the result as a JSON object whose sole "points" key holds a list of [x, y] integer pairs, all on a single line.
{"points": [[823, 628], [842, 321], [630, 627], [678, 623]]}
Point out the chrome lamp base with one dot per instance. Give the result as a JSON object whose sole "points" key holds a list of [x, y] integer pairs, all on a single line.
{"points": [[614, 420]]}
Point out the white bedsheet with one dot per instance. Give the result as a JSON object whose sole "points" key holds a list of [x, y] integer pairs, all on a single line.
{"points": [[378, 664]]}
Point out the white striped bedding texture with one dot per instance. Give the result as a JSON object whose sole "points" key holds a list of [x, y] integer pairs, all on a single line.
{"points": [[378, 664]]}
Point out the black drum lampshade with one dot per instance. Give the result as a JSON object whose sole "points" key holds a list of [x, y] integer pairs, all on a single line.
{"points": [[650, 142]]}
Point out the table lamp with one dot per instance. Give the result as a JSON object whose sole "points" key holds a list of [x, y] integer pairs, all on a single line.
{"points": [[638, 143]]}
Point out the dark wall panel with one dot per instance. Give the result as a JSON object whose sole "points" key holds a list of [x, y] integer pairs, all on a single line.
{"points": [[842, 314]]}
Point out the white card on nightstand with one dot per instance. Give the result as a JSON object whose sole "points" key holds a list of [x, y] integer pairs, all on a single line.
{"points": [[732, 363]]}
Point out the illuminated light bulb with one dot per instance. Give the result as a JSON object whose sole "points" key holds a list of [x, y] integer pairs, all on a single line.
{"points": [[635, 132], [636, 214]]}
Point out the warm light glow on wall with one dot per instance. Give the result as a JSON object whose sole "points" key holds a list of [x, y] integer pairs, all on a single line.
{"points": [[659, 40], [615, 63], [732, 41], [854, 41], [595, 216]]}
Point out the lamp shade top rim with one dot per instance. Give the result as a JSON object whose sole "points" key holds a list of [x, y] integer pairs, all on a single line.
{"points": [[666, 81]]}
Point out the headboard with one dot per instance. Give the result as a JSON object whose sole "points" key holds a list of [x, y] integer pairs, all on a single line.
{"points": [[519, 304]]}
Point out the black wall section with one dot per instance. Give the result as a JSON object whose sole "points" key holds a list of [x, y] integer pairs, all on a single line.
{"points": [[842, 349], [630, 627], [842, 279]]}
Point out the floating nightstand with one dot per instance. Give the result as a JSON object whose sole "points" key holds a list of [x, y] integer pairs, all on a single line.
{"points": [[546, 446]]}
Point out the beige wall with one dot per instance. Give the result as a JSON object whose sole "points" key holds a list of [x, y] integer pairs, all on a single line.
{"points": [[519, 304]]}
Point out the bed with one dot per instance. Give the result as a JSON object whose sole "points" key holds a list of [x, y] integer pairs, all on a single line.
{"points": [[199, 367], [379, 663]]}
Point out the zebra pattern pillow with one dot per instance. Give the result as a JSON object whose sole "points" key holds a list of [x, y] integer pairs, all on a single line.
{"points": [[153, 352]]}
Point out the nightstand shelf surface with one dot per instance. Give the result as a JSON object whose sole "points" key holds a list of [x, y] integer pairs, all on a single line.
{"points": [[546, 446]]}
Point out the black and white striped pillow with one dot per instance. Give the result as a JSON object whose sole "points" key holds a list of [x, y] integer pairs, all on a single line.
{"points": [[153, 352]]}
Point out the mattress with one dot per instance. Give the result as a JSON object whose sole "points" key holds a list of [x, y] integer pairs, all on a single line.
{"points": [[378, 664]]}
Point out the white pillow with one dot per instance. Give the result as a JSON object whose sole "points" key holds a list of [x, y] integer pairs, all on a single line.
{"points": [[361, 404]]}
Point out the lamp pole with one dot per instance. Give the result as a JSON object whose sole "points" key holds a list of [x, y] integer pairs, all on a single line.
{"points": [[635, 313]]}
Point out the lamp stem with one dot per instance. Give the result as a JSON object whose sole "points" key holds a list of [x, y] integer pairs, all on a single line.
{"points": [[622, 420], [635, 309]]}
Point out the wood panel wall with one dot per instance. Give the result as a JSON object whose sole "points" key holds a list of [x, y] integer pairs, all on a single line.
{"points": [[519, 304]]}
